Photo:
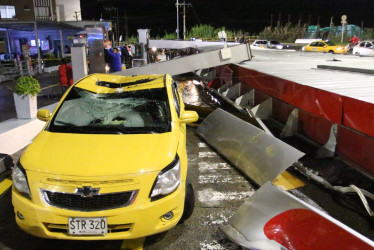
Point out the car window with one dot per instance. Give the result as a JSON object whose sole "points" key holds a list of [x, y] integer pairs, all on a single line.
{"points": [[330, 43], [368, 45], [176, 98], [139, 112], [314, 44], [320, 44], [362, 44]]}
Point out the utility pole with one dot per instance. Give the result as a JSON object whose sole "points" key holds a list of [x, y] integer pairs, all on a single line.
{"points": [[177, 30], [184, 20], [184, 4]]}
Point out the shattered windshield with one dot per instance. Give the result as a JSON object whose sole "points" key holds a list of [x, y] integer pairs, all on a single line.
{"points": [[129, 112]]}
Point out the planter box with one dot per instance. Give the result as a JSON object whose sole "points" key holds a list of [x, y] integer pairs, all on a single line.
{"points": [[26, 107]]}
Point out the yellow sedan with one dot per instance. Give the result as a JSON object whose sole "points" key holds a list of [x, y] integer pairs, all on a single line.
{"points": [[111, 162], [323, 46]]}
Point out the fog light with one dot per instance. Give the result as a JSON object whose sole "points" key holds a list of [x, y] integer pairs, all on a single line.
{"points": [[168, 215], [20, 215]]}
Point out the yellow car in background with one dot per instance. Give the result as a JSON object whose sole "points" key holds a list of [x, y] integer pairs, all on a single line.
{"points": [[323, 46], [111, 162]]}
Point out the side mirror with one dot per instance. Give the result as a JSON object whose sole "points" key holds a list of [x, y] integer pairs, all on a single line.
{"points": [[189, 116], [325, 46], [43, 115]]}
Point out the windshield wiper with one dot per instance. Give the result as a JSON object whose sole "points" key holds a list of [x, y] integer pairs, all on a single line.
{"points": [[114, 85], [135, 130], [71, 125]]}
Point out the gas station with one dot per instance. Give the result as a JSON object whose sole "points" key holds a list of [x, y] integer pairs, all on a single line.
{"points": [[279, 158]]}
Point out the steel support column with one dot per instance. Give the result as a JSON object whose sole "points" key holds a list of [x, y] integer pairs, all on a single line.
{"points": [[38, 47]]}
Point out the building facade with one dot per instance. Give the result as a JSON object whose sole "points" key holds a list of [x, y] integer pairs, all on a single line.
{"points": [[46, 10]]}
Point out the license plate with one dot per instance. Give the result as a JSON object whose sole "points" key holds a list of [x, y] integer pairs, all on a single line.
{"points": [[88, 226]]}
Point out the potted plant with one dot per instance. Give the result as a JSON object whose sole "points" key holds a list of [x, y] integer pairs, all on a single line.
{"points": [[25, 92]]}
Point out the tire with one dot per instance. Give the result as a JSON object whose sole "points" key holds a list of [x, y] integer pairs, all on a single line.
{"points": [[331, 51], [189, 203], [357, 54]]}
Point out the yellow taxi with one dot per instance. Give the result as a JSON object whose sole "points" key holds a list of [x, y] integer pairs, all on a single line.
{"points": [[323, 46], [111, 162]]}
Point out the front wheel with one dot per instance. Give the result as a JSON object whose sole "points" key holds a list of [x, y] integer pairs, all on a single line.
{"points": [[189, 203]]}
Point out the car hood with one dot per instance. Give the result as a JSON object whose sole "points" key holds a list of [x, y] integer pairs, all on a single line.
{"points": [[98, 155]]}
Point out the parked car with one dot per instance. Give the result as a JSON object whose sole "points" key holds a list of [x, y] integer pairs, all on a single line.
{"points": [[111, 162], [260, 43], [276, 45], [364, 48], [323, 46]]}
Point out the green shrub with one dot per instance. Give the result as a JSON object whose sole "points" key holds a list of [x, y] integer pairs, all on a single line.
{"points": [[170, 36], [287, 33], [27, 85]]}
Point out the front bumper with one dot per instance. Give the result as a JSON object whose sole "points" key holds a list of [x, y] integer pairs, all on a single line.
{"points": [[142, 218]]}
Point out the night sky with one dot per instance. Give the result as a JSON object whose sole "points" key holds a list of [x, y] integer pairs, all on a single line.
{"points": [[248, 15]]}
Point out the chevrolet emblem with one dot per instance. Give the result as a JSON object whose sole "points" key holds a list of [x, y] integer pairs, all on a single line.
{"points": [[87, 191]]}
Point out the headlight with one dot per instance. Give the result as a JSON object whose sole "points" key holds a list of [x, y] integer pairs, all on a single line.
{"points": [[303, 48], [339, 48], [20, 180], [168, 180]]}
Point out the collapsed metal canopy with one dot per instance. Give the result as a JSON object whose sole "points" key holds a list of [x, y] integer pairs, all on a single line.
{"points": [[259, 155], [194, 62], [275, 219]]}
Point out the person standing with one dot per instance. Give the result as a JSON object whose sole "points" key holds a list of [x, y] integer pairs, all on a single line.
{"points": [[115, 60], [354, 40], [66, 75]]}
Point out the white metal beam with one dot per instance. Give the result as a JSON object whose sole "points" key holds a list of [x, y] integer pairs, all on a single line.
{"points": [[193, 62], [173, 44]]}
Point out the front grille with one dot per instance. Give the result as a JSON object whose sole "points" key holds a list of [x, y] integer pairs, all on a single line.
{"points": [[101, 183], [94, 203]]}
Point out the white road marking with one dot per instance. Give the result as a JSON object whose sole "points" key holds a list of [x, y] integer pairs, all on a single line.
{"points": [[210, 166], [215, 245], [202, 145], [216, 219], [207, 154], [218, 178], [210, 197]]}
